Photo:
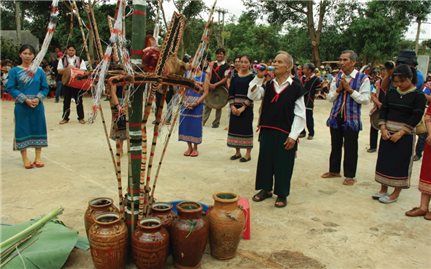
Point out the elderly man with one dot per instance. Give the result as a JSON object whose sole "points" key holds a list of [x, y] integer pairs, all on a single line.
{"points": [[281, 121], [349, 90], [71, 61]]}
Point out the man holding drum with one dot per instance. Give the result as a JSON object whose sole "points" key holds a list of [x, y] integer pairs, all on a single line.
{"points": [[218, 72], [70, 60]]}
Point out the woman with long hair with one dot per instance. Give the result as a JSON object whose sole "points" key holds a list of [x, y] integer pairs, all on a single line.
{"points": [[401, 111], [190, 129], [30, 123], [240, 132]]}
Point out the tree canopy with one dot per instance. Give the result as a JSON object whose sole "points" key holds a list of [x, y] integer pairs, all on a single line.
{"points": [[312, 31]]}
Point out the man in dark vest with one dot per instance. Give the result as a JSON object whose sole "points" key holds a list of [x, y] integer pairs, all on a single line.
{"points": [[70, 60], [218, 72], [348, 91], [281, 121], [310, 82]]}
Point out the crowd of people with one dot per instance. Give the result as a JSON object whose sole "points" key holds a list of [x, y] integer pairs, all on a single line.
{"points": [[398, 91]]}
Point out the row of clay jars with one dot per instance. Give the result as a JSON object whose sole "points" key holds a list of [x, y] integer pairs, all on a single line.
{"points": [[189, 235], [227, 222]]}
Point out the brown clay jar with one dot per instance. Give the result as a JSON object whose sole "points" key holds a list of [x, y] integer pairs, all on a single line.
{"points": [[95, 207], [164, 212], [108, 241], [226, 221], [189, 235], [150, 244]]}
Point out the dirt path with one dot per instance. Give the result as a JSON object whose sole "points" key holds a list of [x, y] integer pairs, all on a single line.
{"points": [[325, 225]]}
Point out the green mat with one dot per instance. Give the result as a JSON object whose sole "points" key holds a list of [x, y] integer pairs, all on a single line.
{"points": [[48, 249]]}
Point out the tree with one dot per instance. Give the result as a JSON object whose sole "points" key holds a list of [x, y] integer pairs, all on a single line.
{"points": [[296, 12], [375, 34]]}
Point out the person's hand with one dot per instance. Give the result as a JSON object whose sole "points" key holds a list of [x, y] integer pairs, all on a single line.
{"points": [[346, 85], [240, 110], [261, 74], [379, 105], [385, 133], [234, 111], [212, 87], [428, 139], [35, 101], [289, 143], [397, 136]]}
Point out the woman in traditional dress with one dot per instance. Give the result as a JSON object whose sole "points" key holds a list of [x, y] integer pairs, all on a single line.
{"points": [[240, 132], [190, 129], [30, 123], [425, 176], [401, 111]]}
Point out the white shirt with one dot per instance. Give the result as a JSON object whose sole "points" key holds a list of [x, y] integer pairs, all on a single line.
{"points": [[71, 61], [257, 94], [361, 97]]}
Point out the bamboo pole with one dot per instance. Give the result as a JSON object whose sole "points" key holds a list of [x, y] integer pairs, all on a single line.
{"points": [[90, 61], [96, 31]]}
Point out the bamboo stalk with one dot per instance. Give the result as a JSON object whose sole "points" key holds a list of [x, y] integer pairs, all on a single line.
{"points": [[96, 31], [29, 230], [114, 45], [116, 169], [90, 61]]}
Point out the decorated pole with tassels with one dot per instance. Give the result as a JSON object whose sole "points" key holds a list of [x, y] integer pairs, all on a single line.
{"points": [[169, 49], [135, 113], [197, 59], [53, 19]]}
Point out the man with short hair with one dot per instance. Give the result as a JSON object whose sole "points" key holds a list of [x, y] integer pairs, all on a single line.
{"points": [[217, 76], [281, 121], [310, 82], [70, 60], [349, 90]]}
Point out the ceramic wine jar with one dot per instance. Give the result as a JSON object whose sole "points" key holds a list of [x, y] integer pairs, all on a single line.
{"points": [[226, 220], [189, 235], [95, 207], [108, 241], [150, 244], [164, 212]]}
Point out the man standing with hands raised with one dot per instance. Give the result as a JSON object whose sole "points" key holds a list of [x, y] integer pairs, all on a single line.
{"points": [[349, 90], [281, 121]]}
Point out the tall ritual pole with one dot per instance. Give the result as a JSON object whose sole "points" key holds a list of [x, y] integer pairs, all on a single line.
{"points": [[135, 114]]}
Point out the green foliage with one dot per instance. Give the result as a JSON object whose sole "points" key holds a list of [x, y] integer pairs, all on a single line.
{"points": [[9, 50]]}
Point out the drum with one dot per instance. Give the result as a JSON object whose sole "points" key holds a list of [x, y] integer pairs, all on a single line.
{"points": [[374, 118], [217, 98], [76, 78]]}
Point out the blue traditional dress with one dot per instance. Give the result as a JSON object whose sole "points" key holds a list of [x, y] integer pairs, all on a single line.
{"points": [[30, 123], [190, 129]]}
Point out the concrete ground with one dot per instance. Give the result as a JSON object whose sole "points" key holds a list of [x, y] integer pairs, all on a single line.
{"points": [[325, 225]]}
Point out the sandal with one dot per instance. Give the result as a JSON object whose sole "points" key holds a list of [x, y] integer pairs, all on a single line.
{"points": [[194, 153], [28, 166], [244, 160], [416, 212], [330, 175], [261, 195], [349, 181], [38, 164], [280, 202], [235, 157], [187, 153]]}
